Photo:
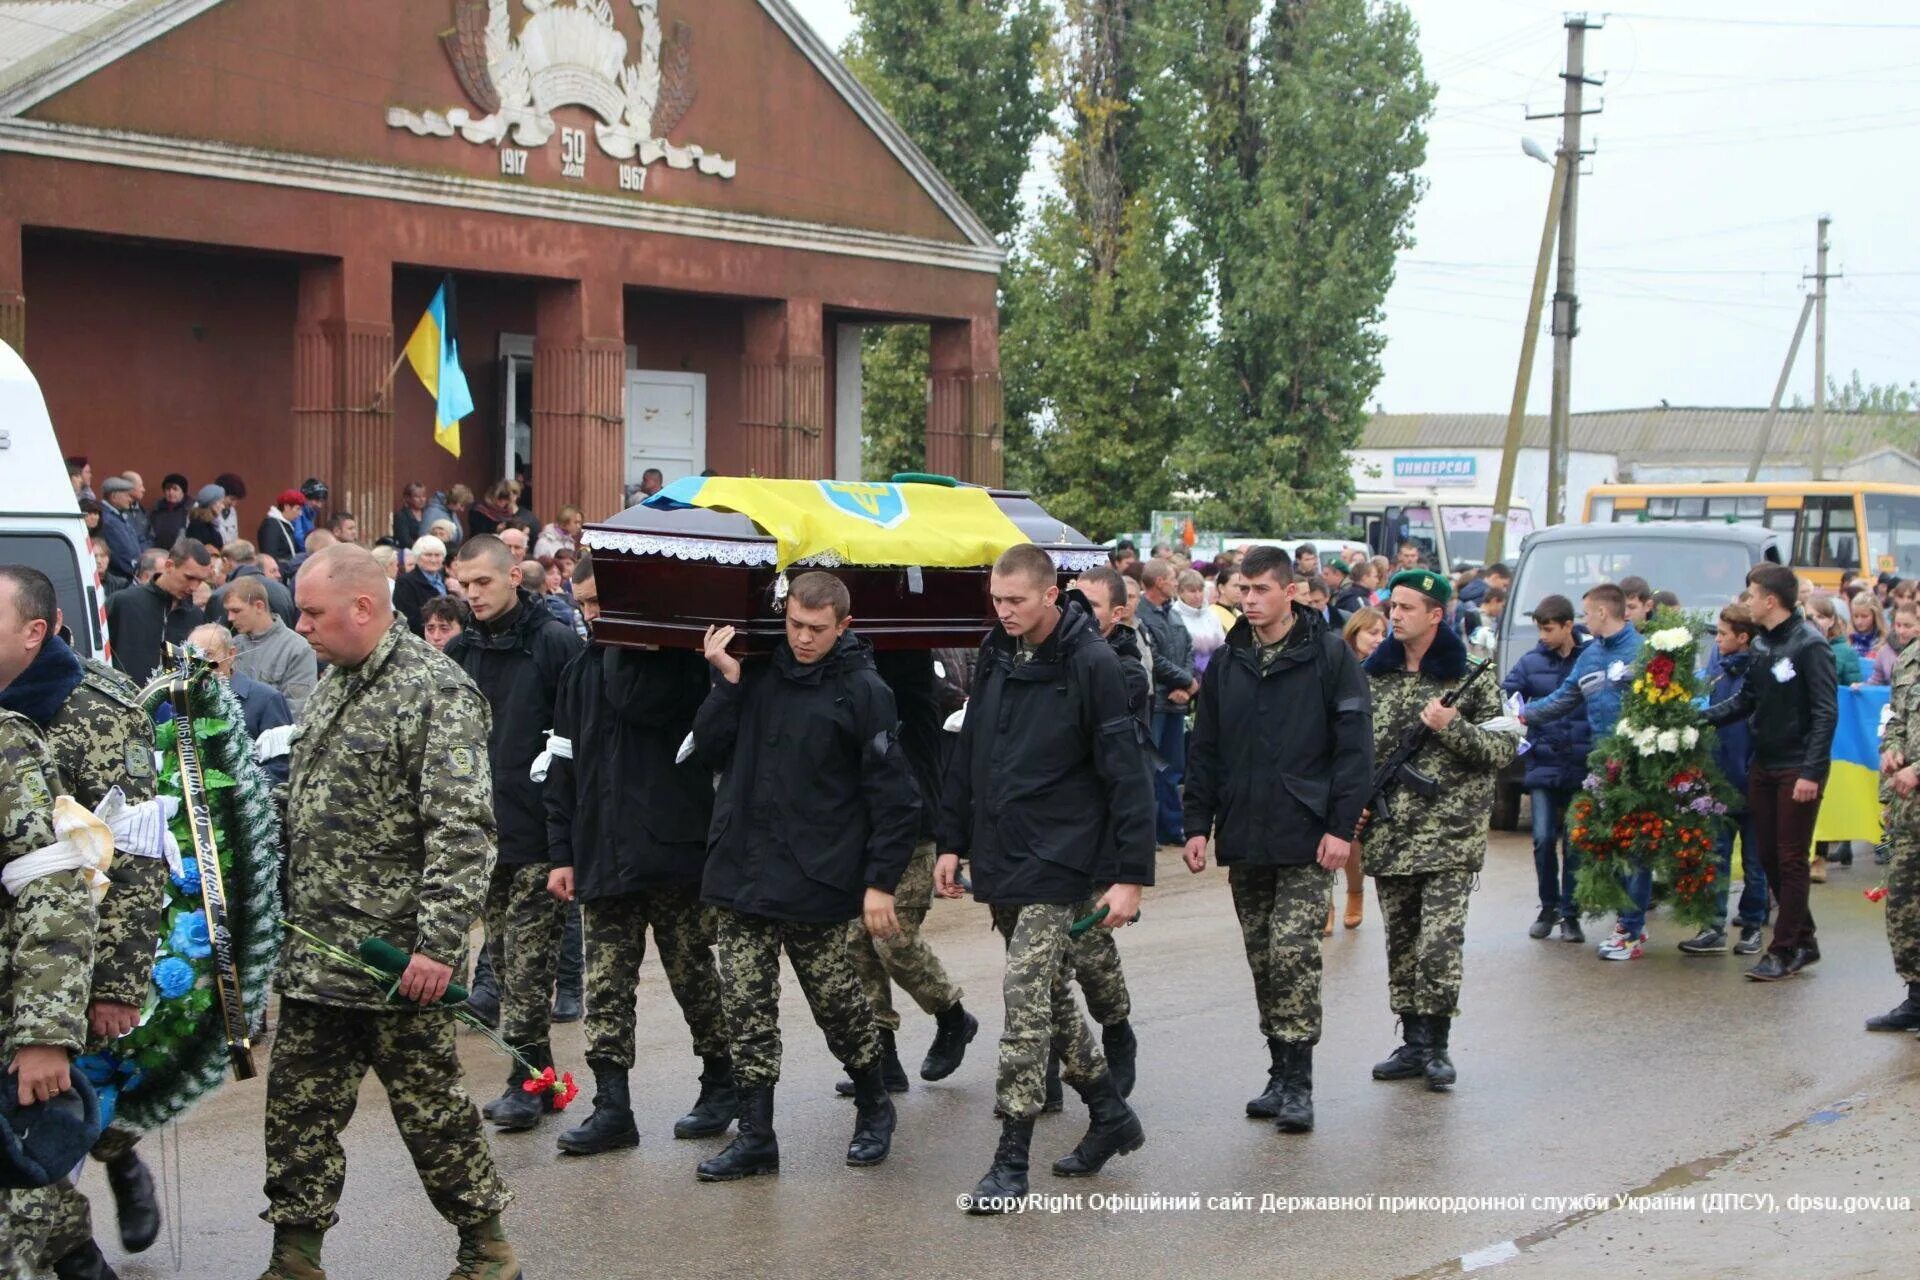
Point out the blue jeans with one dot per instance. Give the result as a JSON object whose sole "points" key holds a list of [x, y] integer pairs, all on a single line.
{"points": [[1553, 857], [1753, 894], [1170, 739], [1640, 889]]}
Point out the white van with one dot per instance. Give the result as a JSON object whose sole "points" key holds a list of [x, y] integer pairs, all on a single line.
{"points": [[40, 524]]}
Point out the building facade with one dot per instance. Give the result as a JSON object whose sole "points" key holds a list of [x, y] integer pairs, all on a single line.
{"points": [[667, 222]]}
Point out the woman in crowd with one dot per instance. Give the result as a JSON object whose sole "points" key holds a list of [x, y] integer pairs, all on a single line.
{"points": [[1382, 570], [426, 580], [1190, 607], [1363, 632], [1825, 614], [1900, 633], [492, 512], [1869, 625], [203, 521]]}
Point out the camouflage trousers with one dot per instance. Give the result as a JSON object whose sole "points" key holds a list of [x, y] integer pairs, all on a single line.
{"points": [[1094, 962], [904, 959], [320, 1056], [616, 943], [1426, 924], [1040, 1010], [750, 949], [1281, 910], [1903, 906], [524, 923]]}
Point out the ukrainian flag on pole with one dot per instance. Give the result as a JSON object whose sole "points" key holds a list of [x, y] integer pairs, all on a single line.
{"points": [[434, 353]]}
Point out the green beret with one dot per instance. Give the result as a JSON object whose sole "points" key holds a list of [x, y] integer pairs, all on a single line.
{"points": [[1341, 565], [1436, 587]]}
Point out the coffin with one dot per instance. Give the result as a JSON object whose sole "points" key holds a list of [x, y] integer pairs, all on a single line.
{"points": [[666, 574]]}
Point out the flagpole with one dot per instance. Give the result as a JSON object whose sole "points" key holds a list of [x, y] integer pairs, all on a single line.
{"points": [[386, 385]]}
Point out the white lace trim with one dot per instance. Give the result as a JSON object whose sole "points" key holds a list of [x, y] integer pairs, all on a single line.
{"points": [[716, 551]]}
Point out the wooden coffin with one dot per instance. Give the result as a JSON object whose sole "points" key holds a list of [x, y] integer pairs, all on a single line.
{"points": [[665, 576]]}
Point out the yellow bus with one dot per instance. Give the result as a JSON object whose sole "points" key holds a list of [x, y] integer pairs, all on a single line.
{"points": [[1827, 526]]}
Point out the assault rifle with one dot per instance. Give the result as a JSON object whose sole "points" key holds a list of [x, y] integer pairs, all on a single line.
{"points": [[1397, 771]]}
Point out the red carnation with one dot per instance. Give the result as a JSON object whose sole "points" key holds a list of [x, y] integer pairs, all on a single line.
{"points": [[1660, 671], [1876, 893]]}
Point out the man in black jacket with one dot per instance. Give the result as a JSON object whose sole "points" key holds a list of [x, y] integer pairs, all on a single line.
{"points": [[813, 823], [515, 651], [1791, 697], [1174, 685], [627, 835], [145, 619], [1047, 792], [1277, 774]]}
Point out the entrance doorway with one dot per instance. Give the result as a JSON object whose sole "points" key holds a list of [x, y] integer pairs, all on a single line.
{"points": [[666, 424], [516, 403]]}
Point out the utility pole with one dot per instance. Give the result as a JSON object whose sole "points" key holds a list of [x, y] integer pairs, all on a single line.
{"points": [[1820, 278], [1566, 306]]}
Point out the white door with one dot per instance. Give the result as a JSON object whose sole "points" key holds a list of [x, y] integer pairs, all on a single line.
{"points": [[666, 424]]}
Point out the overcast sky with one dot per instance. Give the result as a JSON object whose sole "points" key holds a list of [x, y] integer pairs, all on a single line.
{"points": [[1728, 128]]}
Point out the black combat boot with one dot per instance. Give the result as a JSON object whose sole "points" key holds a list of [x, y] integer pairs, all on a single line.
{"points": [[873, 1118], [133, 1202], [1053, 1099], [518, 1110], [754, 1149], [1121, 1050], [890, 1068], [1440, 1072], [1295, 1112], [956, 1030], [515, 1078], [611, 1126], [566, 1005], [714, 1109], [1409, 1061], [85, 1263], [483, 999], [1007, 1180], [1114, 1132], [1904, 1016], [1267, 1105]]}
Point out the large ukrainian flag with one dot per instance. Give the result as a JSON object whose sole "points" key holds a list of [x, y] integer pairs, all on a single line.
{"points": [[932, 525], [434, 353], [1850, 804]]}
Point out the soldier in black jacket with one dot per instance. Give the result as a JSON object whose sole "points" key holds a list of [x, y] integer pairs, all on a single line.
{"points": [[515, 651], [1048, 791], [814, 820], [1277, 775], [627, 834]]}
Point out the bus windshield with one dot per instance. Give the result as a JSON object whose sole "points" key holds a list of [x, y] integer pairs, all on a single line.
{"points": [[1467, 528], [1893, 534]]}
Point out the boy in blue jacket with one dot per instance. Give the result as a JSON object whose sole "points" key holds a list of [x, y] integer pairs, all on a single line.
{"points": [[1733, 753], [1556, 764]]}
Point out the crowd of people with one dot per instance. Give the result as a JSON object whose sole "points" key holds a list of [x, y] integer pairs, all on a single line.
{"points": [[457, 747]]}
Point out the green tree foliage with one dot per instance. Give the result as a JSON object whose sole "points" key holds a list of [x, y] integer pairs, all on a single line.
{"points": [[1307, 125], [962, 77], [1863, 416]]}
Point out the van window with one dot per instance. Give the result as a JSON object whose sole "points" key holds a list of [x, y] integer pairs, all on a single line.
{"points": [[53, 555]]}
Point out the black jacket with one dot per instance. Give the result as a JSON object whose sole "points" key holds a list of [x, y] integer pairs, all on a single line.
{"points": [[1172, 649], [279, 599], [620, 812], [1791, 695], [816, 801], [1282, 757], [1350, 599], [407, 527], [168, 523], [411, 591], [517, 662], [274, 538], [916, 698], [142, 621], [1133, 673], [1049, 789]]}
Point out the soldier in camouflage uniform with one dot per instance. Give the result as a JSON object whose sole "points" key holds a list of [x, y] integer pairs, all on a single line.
{"points": [[1902, 822], [1048, 790], [391, 835], [46, 951], [813, 823], [100, 739], [1425, 862], [1277, 773]]}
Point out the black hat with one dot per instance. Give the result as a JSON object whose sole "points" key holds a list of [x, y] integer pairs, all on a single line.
{"points": [[43, 1142], [315, 488], [174, 477]]}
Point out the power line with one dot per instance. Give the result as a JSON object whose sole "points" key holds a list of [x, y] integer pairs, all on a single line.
{"points": [[1709, 20]]}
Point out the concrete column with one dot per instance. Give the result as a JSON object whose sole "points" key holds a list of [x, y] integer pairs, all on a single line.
{"points": [[13, 297], [964, 428], [848, 402], [783, 401], [580, 397], [342, 424]]}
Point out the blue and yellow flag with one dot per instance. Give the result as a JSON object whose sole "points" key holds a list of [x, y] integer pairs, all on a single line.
{"points": [[932, 525], [1850, 803], [434, 353]]}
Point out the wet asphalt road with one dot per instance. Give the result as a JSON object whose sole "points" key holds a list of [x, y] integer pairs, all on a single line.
{"points": [[1577, 1077]]}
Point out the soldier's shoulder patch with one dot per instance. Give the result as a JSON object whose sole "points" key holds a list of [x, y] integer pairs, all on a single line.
{"points": [[33, 788], [460, 761], [139, 759]]}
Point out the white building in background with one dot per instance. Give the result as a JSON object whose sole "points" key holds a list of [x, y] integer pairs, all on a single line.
{"points": [[1662, 444]]}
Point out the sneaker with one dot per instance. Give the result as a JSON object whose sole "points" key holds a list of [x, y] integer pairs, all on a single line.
{"points": [[1626, 949], [1614, 940], [1817, 870], [1570, 930], [1707, 942], [1749, 943], [1542, 924]]}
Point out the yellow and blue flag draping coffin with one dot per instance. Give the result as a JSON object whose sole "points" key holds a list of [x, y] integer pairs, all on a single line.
{"points": [[717, 550], [857, 522], [1850, 803]]}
